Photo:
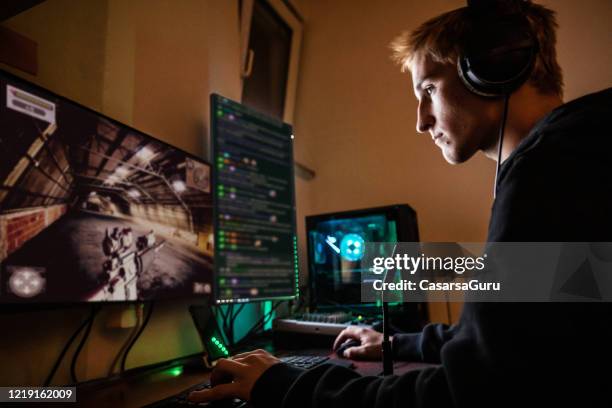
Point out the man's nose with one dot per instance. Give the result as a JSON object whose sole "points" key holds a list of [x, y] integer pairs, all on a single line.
{"points": [[425, 120]]}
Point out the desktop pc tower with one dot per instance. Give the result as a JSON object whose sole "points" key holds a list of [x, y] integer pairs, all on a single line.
{"points": [[336, 248]]}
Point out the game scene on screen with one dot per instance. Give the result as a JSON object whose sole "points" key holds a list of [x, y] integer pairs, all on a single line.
{"points": [[91, 210]]}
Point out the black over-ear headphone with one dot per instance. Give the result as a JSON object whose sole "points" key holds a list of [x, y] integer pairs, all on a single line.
{"points": [[501, 48]]}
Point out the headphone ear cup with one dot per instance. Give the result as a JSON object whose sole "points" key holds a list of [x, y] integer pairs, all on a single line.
{"points": [[500, 56], [485, 77]]}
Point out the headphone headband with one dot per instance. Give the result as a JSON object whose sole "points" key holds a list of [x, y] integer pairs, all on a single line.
{"points": [[500, 48], [496, 7]]}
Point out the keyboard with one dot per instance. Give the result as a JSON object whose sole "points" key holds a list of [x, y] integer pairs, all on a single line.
{"points": [[311, 327], [321, 324], [305, 361], [337, 317]]}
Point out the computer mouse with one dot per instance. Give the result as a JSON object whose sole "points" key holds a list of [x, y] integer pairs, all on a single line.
{"points": [[345, 345]]}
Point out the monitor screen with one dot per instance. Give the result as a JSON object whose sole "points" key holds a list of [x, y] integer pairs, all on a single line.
{"points": [[256, 251], [92, 210], [336, 244]]}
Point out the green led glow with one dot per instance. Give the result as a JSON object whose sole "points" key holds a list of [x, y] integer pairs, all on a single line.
{"points": [[175, 371], [219, 345], [296, 266]]}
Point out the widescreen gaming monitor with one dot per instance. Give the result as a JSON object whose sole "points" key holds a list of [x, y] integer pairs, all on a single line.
{"points": [[336, 243], [92, 210], [254, 210]]}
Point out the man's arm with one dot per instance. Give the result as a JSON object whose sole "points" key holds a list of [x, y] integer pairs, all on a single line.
{"points": [[424, 346], [329, 385], [261, 379]]}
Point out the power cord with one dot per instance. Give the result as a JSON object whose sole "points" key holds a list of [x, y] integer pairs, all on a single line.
{"points": [[139, 319], [258, 325], [75, 357], [65, 350], [223, 323], [135, 338], [233, 320], [227, 323]]}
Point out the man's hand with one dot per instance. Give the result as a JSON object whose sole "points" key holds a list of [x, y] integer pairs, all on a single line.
{"points": [[236, 376], [370, 347]]}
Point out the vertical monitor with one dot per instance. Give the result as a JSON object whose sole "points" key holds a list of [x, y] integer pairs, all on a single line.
{"points": [[92, 210], [254, 210]]}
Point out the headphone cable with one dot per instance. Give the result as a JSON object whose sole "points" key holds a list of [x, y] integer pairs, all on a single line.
{"points": [[500, 141]]}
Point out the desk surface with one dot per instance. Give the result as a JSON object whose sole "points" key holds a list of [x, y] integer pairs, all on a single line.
{"points": [[158, 384]]}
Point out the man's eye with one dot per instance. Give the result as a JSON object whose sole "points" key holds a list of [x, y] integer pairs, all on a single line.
{"points": [[429, 89]]}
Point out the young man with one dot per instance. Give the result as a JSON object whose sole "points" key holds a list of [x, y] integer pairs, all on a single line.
{"points": [[555, 184]]}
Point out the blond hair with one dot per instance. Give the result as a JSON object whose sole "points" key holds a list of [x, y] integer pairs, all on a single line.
{"points": [[443, 38]]}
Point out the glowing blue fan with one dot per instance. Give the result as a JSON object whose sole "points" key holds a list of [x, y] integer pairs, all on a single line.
{"points": [[352, 247]]}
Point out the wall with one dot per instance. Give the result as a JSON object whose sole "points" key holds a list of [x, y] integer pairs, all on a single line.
{"points": [[583, 44], [356, 114], [70, 37], [146, 63]]}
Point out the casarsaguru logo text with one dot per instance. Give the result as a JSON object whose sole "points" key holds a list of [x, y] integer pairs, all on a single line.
{"points": [[405, 285]]}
